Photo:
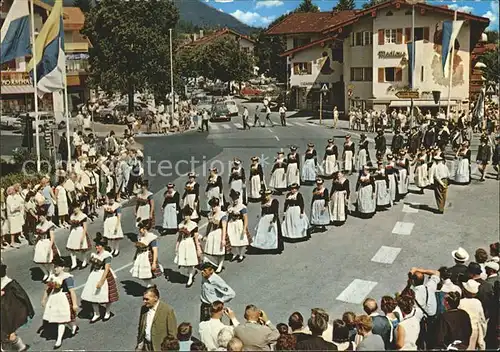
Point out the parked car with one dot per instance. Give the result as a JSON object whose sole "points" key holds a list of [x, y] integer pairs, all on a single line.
{"points": [[9, 122], [202, 101], [220, 112], [113, 114], [232, 107]]}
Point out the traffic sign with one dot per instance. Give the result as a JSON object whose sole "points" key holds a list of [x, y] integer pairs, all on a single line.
{"points": [[407, 94], [490, 89], [325, 88], [349, 92], [48, 136]]}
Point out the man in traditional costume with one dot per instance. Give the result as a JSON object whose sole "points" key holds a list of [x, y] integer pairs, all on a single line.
{"points": [[441, 175]]}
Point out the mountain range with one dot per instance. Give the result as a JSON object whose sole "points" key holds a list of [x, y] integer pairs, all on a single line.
{"points": [[200, 14]]}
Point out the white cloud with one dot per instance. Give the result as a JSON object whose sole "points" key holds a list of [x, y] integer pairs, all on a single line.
{"points": [[268, 3], [221, 10], [252, 18], [224, 1], [493, 15], [466, 9]]}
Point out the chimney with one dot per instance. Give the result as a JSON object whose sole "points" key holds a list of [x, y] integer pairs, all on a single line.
{"points": [[201, 33], [195, 37]]}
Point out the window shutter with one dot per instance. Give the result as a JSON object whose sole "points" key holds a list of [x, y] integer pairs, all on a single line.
{"points": [[295, 69], [352, 38], [352, 74], [309, 68], [381, 74], [426, 33], [407, 34], [398, 76], [399, 36], [381, 36]]}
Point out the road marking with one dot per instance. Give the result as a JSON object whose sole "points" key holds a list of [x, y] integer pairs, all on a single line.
{"points": [[290, 124], [270, 130], [277, 138], [403, 228], [132, 263], [227, 127], [238, 125], [386, 255], [411, 208], [357, 291], [299, 124], [214, 127]]}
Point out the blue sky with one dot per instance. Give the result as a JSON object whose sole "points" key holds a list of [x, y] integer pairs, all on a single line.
{"points": [[260, 13]]}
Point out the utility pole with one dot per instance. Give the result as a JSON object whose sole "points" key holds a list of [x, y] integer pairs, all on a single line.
{"points": [[171, 75], [323, 91]]}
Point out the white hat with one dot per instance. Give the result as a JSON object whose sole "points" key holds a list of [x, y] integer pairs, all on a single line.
{"points": [[492, 265], [460, 255], [471, 286]]}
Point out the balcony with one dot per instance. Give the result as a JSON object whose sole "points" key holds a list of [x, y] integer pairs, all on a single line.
{"points": [[78, 47]]}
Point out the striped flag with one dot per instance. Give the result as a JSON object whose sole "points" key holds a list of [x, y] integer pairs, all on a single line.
{"points": [[450, 34], [49, 53], [15, 32], [414, 62]]}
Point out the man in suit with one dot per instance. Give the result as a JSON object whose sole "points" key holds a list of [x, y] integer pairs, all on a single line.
{"points": [[257, 333], [157, 322], [318, 323], [381, 325], [296, 324]]}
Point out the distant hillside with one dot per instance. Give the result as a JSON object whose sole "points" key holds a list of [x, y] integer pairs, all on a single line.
{"points": [[199, 14]]}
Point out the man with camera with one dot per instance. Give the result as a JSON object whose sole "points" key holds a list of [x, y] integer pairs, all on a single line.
{"points": [[209, 330], [257, 333]]}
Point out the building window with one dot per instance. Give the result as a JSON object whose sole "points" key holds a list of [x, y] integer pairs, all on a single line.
{"points": [[361, 74], [302, 68], [389, 13], [390, 74], [358, 38], [362, 38], [298, 42], [390, 36], [368, 74], [419, 33], [421, 73], [367, 38]]}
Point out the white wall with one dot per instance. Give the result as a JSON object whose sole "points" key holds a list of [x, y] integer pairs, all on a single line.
{"points": [[247, 44]]}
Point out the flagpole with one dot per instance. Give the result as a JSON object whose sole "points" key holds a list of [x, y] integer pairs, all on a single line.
{"points": [[35, 91], [172, 76], [451, 72], [66, 103]]}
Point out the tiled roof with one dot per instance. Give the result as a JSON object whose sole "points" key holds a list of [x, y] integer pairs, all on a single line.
{"points": [[210, 37], [310, 22]]}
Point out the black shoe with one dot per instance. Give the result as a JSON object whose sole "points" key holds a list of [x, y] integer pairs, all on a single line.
{"points": [[241, 258], [110, 316], [56, 347]]}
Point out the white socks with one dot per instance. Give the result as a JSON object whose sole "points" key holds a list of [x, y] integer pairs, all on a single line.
{"points": [[73, 260], [221, 264], [60, 333], [18, 344]]}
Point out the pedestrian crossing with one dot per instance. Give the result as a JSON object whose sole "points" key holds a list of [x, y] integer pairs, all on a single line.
{"points": [[217, 126]]}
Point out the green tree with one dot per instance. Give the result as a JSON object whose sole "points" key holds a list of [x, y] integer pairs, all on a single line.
{"points": [[343, 5], [492, 69], [371, 3], [84, 5], [130, 45], [307, 6], [492, 37]]}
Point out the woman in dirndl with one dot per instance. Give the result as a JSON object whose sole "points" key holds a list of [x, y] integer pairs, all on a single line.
{"points": [[214, 189], [295, 222], [365, 188], [293, 167], [392, 174], [188, 249], [191, 196], [256, 180], [462, 174], [267, 236], [421, 172], [100, 287], [278, 175], [45, 247], [171, 209], [348, 155], [330, 159], [59, 301], [237, 180], [215, 238], [363, 153], [339, 199], [145, 207], [146, 266], [237, 227], [310, 164], [113, 231], [62, 202], [381, 181], [78, 243], [320, 215], [403, 167]]}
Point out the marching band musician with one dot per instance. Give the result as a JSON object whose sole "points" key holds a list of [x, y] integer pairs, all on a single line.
{"points": [[392, 174], [365, 187], [191, 196], [348, 154], [237, 227], [403, 167], [256, 180], [381, 181], [214, 188], [278, 175], [215, 238], [330, 159], [310, 164], [187, 248], [320, 215], [171, 209], [237, 179], [363, 153], [293, 167], [295, 221], [113, 231], [339, 200], [380, 144], [145, 207], [267, 236]]}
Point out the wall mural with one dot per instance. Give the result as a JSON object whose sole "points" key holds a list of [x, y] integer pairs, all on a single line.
{"points": [[324, 64], [436, 66]]}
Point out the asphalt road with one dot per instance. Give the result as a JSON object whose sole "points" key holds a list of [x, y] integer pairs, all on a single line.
{"points": [[335, 270]]}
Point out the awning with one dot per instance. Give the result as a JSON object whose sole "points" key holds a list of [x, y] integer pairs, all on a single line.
{"points": [[424, 103], [25, 89]]}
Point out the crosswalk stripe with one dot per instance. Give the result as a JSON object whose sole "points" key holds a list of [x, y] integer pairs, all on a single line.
{"points": [[357, 291], [290, 124], [227, 127], [238, 125], [214, 127], [386, 255], [403, 228], [299, 124]]}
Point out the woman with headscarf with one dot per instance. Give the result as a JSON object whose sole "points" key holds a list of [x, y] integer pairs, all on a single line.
{"points": [[256, 180], [278, 175], [187, 248], [348, 154], [214, 188], [171, 209], [146, 266], [403, 167], [310, 164], [59, 301], [462, 174], [191, 196], [237, 179], [363, 153], [145, 207], [365, 188], [100, 287], [295, 221], [320, 215], [113, 231], [267, 234], [330, 159], [78, 240], [45, 247], [215, 238], [237, 227], [339, 200], [381, 181], [392, 174], [293, 167]]}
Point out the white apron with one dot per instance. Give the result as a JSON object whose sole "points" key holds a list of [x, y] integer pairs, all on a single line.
{"points": [[142, 266], [295, 226], [309, 171], [330, 165], [463, 171], [75, 242], [44, 252], [92, 294], [236, 228], [278, 179], [348, 162], [266, 236], [112, 226], [143, 211], [58, 308], [213, 241], [292, 174], [403, 182], [366, 201], [382, 196], [170, 216], [186, 252], [190, 200], [338, 206]]}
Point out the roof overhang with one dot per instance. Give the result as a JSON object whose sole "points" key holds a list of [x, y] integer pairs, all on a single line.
{"points": [[310, 45]]}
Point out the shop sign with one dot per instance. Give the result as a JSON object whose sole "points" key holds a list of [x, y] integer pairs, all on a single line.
{"points": [[391, 54], [307, 84], [16, 79]]}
